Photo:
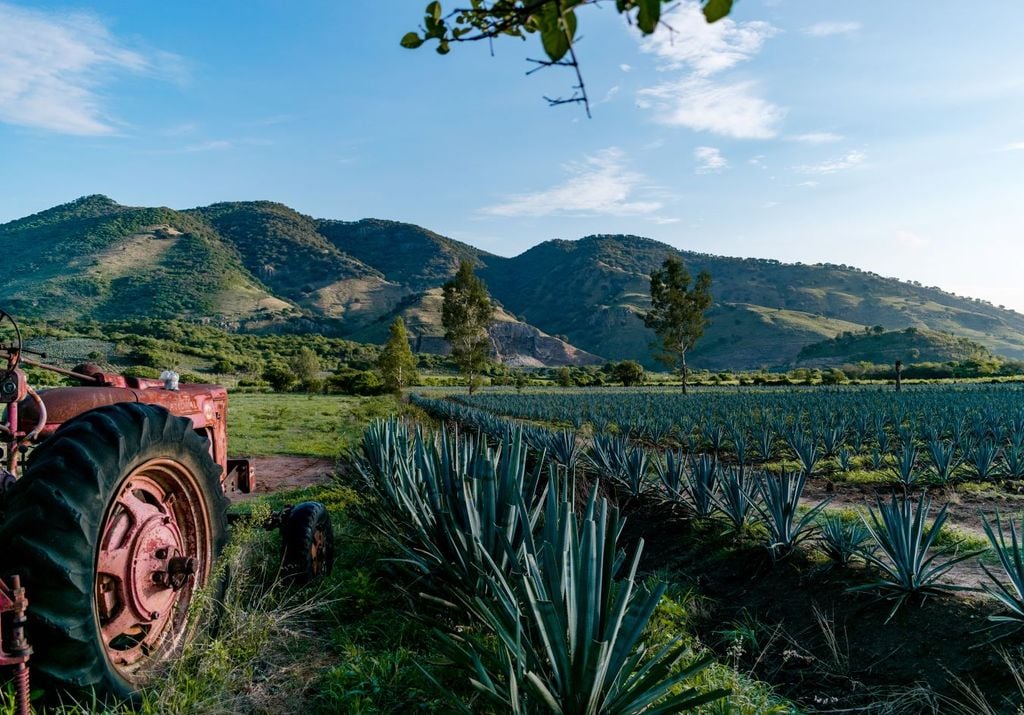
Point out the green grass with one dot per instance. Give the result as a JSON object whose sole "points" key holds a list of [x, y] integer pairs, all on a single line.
{"points": [[303, 425]]}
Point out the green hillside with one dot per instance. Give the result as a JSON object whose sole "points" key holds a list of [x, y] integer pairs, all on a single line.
{"points": [[878, 347], [261, 266], [94, 258], [594, 291]]}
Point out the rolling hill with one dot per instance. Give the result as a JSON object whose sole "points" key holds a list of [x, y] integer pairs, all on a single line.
{"points": [[261, 266]]}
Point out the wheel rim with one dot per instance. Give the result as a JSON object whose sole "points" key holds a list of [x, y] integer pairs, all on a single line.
{"points": [[319, 551], [155, 550]]}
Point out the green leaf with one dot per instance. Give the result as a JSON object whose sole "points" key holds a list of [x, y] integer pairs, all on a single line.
{"points": [[715, 10], [552, 34], [411, 40], [647, 18], [434, 10]]}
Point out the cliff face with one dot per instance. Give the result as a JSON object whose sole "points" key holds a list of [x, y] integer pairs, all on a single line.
{"points": [[522, 345]]}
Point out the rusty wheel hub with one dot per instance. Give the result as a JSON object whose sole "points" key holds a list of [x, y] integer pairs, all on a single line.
{"points": [[318, 552], [155, 550]]}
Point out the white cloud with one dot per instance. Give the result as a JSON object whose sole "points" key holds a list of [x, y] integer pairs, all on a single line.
{"points": [[808, 184], [599, 185], [846, 161], [816, 138], [911, 239], [729, 109], [709, 160], [1014, 146], [51, 64], [625, 67], [834, 27], [696, 100], [706, 48], [769, 204], [665, 220]]}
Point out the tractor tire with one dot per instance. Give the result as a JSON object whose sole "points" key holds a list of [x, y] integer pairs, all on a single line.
{"points": [[114, 528], [307, 539]]}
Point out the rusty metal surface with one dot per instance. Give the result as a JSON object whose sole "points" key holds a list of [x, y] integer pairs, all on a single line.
{"points": [[16, 651], [156, 549], [205, 405]]}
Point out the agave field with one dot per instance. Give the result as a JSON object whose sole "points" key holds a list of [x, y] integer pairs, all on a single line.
{"points": [[813, 527]]}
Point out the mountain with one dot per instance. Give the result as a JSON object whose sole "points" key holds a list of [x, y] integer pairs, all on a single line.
{"points": [[261, 266], [878, 347], [594, 291], [249, 266]]}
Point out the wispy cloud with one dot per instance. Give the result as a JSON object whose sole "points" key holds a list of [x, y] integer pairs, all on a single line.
{"points": [[706, 48], [1014, 146], [729, 109], [601, 184], [698, 100], [52, 64], [832, 27], [816, 138], [709, 160], [847, 161], [212, 145]]}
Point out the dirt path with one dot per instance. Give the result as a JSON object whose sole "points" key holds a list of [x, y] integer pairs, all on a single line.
{"points": [[283, 473]]}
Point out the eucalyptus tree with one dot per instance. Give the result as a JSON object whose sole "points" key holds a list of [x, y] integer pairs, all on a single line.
{"points": [[677, 314], [466, 314], [396, 361]]}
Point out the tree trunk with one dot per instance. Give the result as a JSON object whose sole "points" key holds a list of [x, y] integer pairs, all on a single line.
{"points": [[684, 371]]}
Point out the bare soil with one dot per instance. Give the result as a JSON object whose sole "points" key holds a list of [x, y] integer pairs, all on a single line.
{"points": [[284, 473]]}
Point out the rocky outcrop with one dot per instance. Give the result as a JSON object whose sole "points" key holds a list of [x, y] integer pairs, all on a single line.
{"points": [[522, 345]]}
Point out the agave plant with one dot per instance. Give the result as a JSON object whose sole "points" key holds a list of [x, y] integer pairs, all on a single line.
{"points": [[765, 443], [844, 457], [906, 465], [633, 474], [671, 473], [564, 447], [780, 497], [451, 504], [608, 454], [944, 459], [735, 498], [701, 485], [842, 539], [805, 450], [905, 553], [982, 457], [568, 635], [1010, 594], [1013, 461]]}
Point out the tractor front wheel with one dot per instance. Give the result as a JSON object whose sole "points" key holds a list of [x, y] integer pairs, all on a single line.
{"points": [[114, 528]]}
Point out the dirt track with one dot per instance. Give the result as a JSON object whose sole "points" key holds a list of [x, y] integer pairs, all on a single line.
{"points": [[282, 473]]}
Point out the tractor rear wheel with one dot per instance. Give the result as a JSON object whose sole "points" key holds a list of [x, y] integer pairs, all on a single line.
{"points": [[114, 528]]}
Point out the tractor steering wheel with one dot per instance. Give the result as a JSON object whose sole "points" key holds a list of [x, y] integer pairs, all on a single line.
{"points": [[10, 345]]}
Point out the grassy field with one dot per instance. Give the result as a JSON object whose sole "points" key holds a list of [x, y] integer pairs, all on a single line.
{"points": [[303, 425]]}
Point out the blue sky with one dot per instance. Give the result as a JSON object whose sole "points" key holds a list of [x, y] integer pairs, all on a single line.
{"points": [[880, 135]]}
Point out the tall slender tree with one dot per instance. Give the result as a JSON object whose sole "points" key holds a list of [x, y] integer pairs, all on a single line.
{"points": [[677, 312], [396, 361], [466, 314]]}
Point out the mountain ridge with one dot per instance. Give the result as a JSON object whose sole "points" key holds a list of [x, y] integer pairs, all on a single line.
{"points": [[260, 265]]}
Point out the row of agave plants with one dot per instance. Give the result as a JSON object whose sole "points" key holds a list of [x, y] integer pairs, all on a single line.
{"points": [[556, 609], [895, 536], [936, 435]]}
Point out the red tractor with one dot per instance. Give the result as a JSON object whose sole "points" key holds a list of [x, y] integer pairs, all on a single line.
{"points": [[114, 497]]}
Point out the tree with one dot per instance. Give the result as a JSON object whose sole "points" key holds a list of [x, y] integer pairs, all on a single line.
{"points": [[629, 373], [305, 365], [466, 314], [396, 361], [554, 20], [677, 312], [564, 377]]}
